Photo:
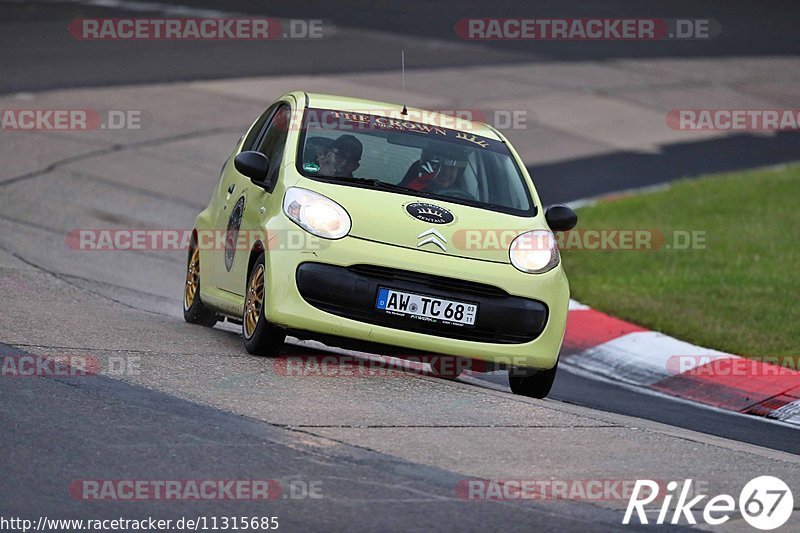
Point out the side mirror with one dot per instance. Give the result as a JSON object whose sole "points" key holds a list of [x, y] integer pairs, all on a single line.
{"points": [[254, 165], [560, 217]]}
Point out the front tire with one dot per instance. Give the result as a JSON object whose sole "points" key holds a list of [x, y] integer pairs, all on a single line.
{"points": [[530, 382], [194, 311], [260, 337]]}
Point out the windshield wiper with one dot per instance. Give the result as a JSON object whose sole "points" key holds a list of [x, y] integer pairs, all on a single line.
{"points": [[372, 182]]}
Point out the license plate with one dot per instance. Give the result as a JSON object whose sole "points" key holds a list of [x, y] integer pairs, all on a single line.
{"points": [[426, 308]]}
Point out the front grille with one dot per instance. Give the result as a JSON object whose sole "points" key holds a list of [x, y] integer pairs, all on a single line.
{"points": [[428, 280]]}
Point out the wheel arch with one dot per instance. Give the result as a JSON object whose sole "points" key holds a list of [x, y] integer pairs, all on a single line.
{"points": [[257, 250]]}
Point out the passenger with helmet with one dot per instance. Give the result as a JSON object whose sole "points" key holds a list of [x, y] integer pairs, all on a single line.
{"points": [[437, 172]]}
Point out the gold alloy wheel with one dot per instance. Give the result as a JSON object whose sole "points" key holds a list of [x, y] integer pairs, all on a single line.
{"points": [[255, 300], [192, 280]]}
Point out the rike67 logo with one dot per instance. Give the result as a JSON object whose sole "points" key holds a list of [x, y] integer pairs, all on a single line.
{"points": [[765, 503]]}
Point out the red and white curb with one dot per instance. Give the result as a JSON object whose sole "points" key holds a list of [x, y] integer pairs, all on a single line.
{"points": [[611, 348]]}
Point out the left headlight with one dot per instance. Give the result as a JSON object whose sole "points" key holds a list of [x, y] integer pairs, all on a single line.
{"points": [[317, 214], [534, 252]]}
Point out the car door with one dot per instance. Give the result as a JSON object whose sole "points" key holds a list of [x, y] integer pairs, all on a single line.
{"points": [[246, 200]]}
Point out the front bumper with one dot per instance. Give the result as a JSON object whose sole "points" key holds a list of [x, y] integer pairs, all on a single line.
{"points": [[340, 279], [350, 292]]}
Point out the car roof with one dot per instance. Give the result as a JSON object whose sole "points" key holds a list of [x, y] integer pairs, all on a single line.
{"points": [[392, 110]]}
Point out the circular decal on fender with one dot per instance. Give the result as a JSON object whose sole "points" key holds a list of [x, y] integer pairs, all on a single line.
{"points": [[232, 232], [430, 213]]}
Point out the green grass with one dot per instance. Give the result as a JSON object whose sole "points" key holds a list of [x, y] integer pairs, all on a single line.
{"points": [[741, 294]]}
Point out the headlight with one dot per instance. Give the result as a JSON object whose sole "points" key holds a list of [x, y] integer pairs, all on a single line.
{"points": [[534, 251], [316, 214]]}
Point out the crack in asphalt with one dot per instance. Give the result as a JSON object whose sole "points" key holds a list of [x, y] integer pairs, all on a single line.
{"points": [[117, 350], [65, 279], [31, 225], [443, 426], [150, 254], [114, 285], [138, 190], [117, 148]]}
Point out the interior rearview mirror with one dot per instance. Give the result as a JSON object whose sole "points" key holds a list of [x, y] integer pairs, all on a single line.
{"points": [[254, 165], [560, 217]]}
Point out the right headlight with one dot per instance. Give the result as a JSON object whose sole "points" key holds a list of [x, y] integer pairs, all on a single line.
{"points": [[317, 214], [534, 252]]}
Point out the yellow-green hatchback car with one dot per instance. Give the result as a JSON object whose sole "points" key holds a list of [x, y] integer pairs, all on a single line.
{"points": [[367, 224]]}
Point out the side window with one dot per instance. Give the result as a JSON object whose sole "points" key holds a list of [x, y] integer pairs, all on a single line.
{"points": [[273, 142], [257, 128]]}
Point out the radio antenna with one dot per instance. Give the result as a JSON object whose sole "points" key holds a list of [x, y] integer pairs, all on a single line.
{"points": [[403, 68]]}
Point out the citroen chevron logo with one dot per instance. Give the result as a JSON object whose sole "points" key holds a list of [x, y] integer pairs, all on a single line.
{"points": [[434, 237]]}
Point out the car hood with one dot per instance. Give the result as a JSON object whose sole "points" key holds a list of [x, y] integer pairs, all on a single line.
{"points": [[428, 225]]}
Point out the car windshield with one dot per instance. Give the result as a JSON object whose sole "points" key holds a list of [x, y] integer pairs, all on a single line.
{"points": [[413, 158]]}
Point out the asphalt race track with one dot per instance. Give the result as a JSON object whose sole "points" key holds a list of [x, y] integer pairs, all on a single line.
{"points": [[388, 451]]}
